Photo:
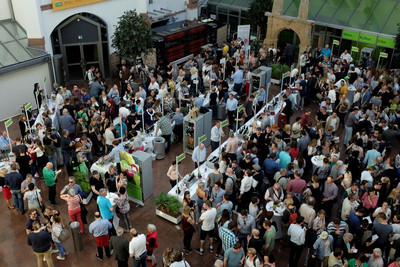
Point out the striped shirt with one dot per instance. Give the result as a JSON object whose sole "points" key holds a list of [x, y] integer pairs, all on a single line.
{"points": [[164, 125], [333, 228], [228, 238]]}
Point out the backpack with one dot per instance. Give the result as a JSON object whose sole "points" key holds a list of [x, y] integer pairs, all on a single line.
{"points": [[292, 218], [86, 77]]}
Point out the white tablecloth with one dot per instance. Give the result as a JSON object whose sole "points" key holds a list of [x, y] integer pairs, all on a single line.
{"points": [[317, 161], [54, 116], [111, 196], [277, 218]]}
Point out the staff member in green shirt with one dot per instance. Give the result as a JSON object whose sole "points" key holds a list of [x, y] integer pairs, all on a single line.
{"points": [[50, 179]]}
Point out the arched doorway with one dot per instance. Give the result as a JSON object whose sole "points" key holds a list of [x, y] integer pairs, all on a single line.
{"points": [[82, 40], [289, 36]]}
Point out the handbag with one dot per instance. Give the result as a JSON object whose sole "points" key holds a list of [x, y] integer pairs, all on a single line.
{"points": [[42, 208], [64, 235]]}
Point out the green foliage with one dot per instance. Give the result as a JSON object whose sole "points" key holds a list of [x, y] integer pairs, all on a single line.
{"points": [[397, 44], [278, 69], [132, 35], [82, 181], [168, 203], [256, 15]]}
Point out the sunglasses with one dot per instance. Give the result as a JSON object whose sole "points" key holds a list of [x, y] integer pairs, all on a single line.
{"points": [[71, 182], [244, 222]]}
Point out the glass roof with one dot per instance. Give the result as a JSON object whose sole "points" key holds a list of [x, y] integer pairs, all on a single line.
{"points": [[14, 44], [236, 4], [380, 16]]}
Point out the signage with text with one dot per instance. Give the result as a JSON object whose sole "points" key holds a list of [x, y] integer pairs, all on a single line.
{"points": [[180, 157], [224, 123], [28, 106], [350, 35], [336, 42], [64, 4], [387, 42], [202, 138], [383, 54], [354, 49], [367, 38], [9, 122]]}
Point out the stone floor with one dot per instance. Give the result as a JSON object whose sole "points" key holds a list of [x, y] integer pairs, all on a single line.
{"points": [[14, 250]]}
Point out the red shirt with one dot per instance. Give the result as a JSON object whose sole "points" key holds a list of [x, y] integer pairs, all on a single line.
{"points": [[304, 120]]}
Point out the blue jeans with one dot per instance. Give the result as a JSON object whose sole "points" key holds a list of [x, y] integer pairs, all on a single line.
{"points": [[18, 200], [61, 248], [53, 159], [348, 135], [242, 239], [141, 261]]}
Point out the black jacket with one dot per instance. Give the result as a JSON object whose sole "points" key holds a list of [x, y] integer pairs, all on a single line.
{"points": [[121, 248]]}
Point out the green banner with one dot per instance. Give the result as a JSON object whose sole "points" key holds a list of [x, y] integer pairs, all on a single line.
{"points": [[180, 157], [45, 79], [224, 123], [37, 93], [350, 35], [202, 138], [240, 108], [354, 49], [28, 106], [387, 42], [383, 54], [367, 38], [9, 122], [131, 170], [336, 42], [284, 75]]}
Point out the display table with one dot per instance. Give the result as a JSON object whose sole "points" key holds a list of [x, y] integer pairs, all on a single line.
{"points": [[52, 112], [277, 218], [184, 184], [317, 161]]}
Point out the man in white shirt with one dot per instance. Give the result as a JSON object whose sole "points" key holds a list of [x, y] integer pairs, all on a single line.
{"points": [[273, 49], [199, 155], [123, 111], [297, 239], [345, 55], [216, 133], [153, 85], [109, 137], [137, 248], [59, 99], [207, 228], [348, 206]]}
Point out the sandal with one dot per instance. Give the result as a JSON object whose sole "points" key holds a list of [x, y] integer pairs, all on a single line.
{"points": [[11, 208]]}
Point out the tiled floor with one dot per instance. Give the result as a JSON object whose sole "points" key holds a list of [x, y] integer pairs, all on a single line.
{"points": [[15, 252]]}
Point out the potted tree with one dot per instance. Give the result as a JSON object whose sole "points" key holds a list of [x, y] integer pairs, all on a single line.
{"points": [[168, 207], [133, 37], [277, 71]]}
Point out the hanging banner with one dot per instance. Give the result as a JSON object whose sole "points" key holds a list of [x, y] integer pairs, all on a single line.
{"points": [[387, 42], [131, 170], [350, 35], [367, 38]]}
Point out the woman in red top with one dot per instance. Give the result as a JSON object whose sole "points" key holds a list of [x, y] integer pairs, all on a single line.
{"points": [[151, 243], [74, 207], [370, 200]]}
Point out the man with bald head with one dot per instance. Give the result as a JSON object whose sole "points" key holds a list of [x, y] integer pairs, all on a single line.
{"points": [[67, 122], [50, 179], [99, 228]]}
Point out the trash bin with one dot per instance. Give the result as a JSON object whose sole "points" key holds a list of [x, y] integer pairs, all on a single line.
{"points": [[221, 111], [159, 147], [76, 236]]}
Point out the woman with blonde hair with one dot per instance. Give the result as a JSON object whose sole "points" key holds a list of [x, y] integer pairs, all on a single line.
{"points": [[392, 200], [251, 259], [286, 133], [188, 224], [74, 207], [23, 126], [201, 196], [5, 188]]}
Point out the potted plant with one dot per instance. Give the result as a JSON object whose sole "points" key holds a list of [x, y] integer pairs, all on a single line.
{"points": [[168, 207], [277, 71], [83, 182]]}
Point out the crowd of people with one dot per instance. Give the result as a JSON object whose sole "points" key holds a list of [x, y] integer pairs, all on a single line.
{"points": [[341, 213]]}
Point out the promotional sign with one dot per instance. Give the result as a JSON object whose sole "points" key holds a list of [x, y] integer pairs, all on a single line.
{"points": [[224, 123], [336, 42], [28, 106], [180, 157], [244, 32], [8, 123], [202, 138], [383, 54], [64, 4], [131, 170], [354, 49]]}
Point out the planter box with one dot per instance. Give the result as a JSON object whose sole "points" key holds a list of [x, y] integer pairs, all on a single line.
{"points": [[87, 199], [275, 81], [169, 217]]}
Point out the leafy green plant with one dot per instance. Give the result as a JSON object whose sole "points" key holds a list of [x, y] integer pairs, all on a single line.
{"points": [[132, 36], [82, 181], [168, 203], [256, 15], [278, 69]]}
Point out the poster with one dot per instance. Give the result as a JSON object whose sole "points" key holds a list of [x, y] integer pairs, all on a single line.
{"points": [[131, 170], [244, 33], [64, 4]]}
